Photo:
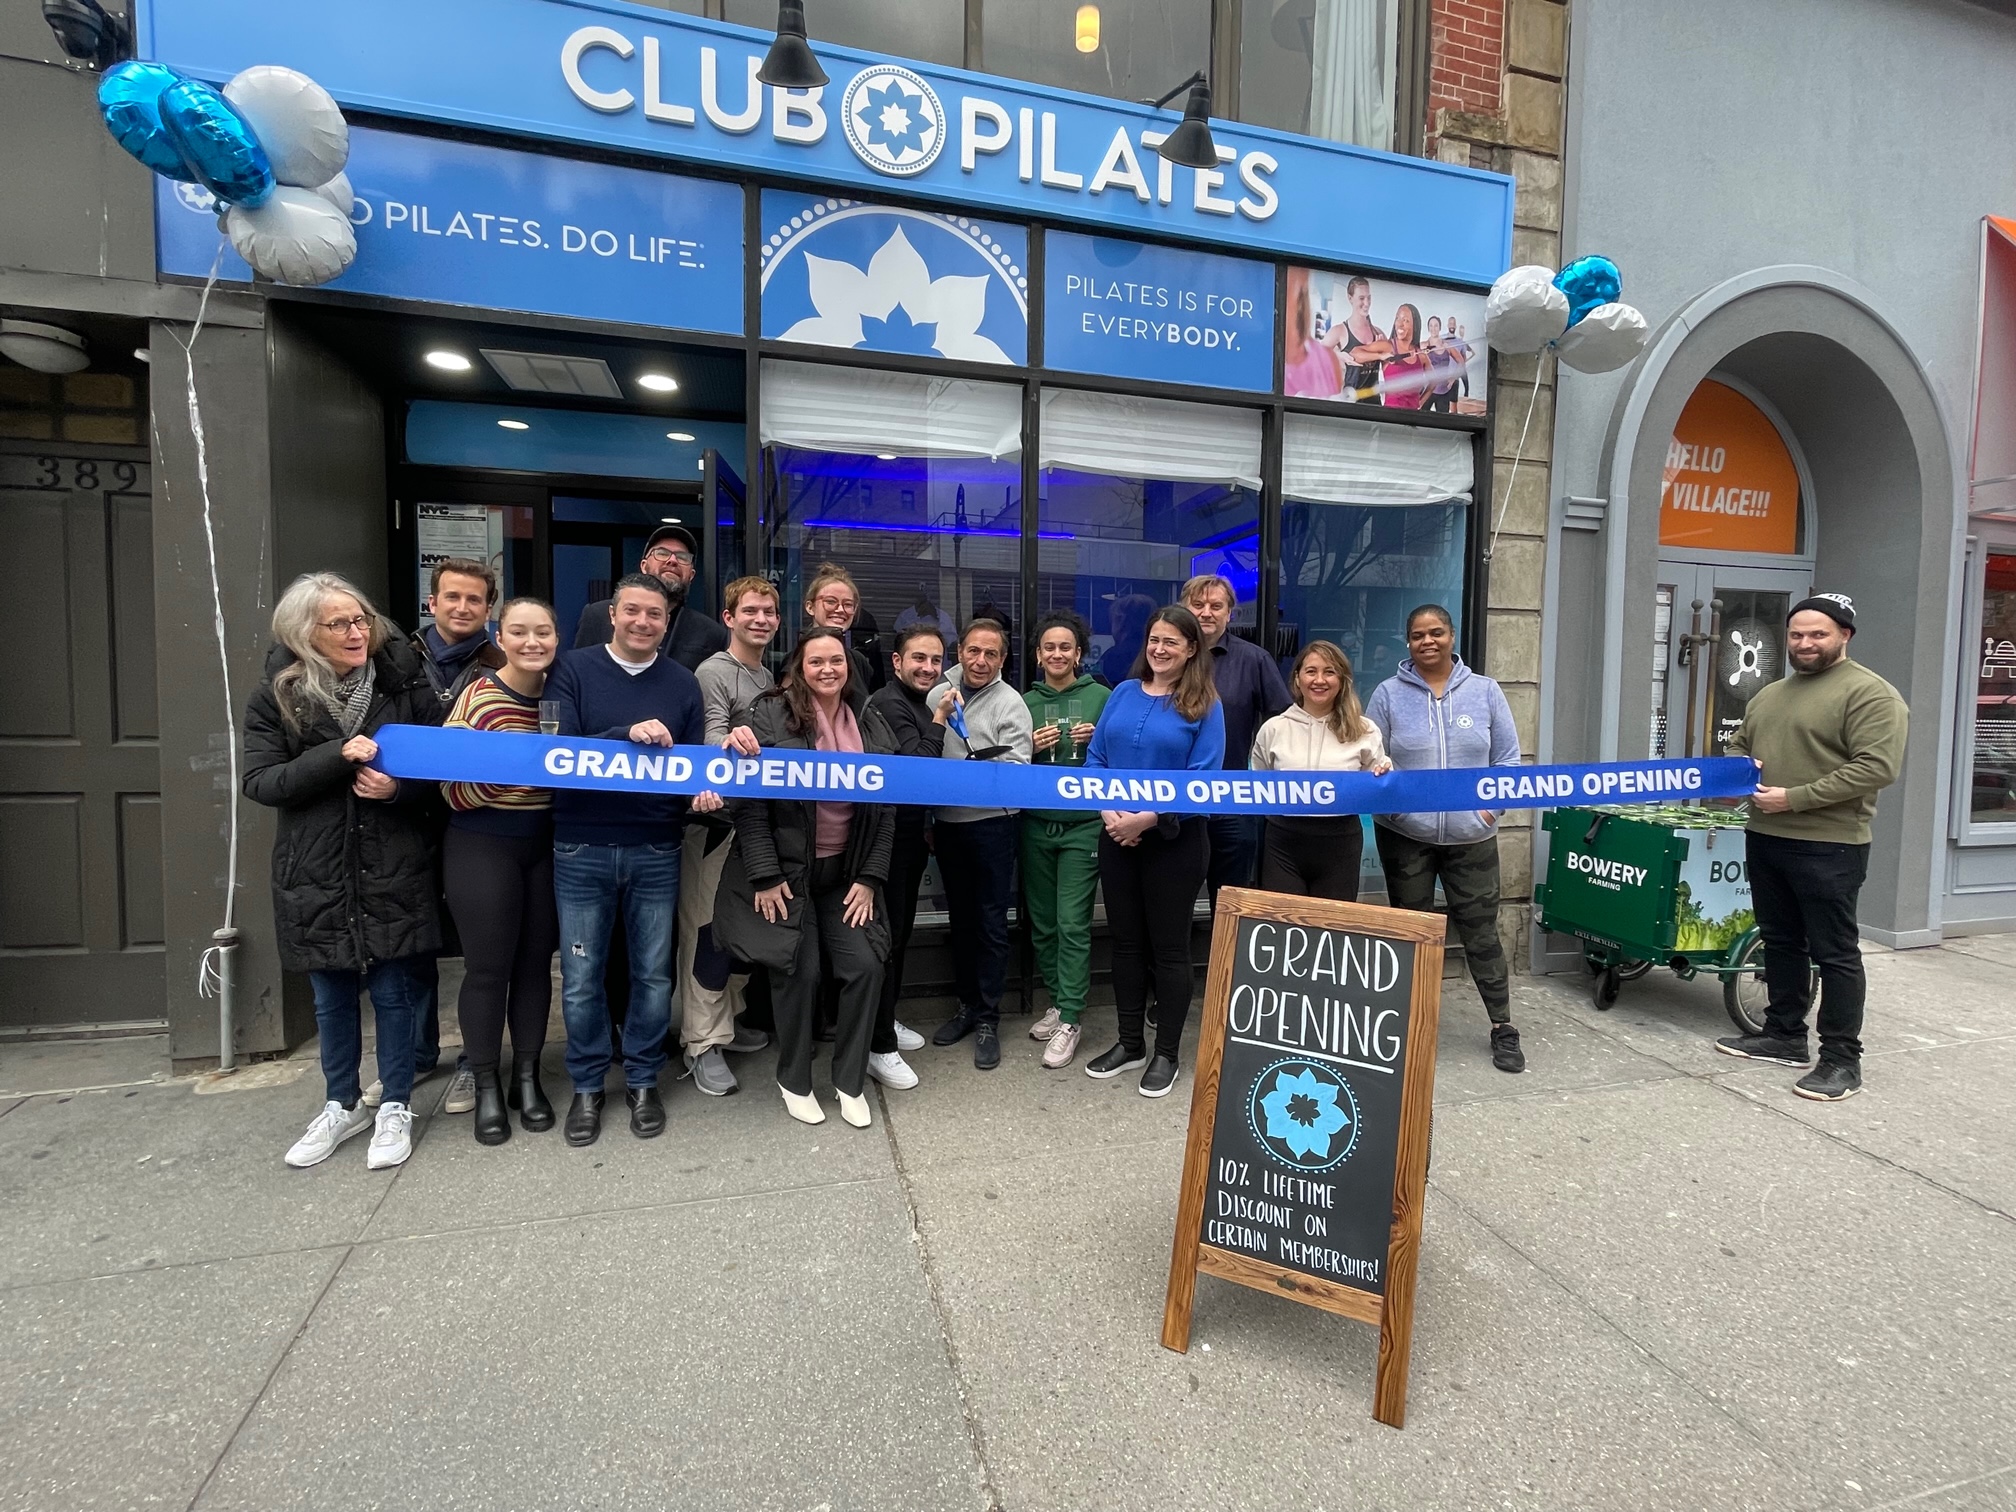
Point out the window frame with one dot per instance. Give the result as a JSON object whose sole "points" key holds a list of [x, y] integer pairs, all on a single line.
{"points": [[1985, 537]]}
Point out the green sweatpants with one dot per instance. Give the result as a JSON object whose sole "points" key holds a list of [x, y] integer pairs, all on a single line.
{"points": [[1060, 872]]}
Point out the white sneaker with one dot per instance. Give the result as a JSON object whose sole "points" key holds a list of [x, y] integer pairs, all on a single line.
{"points": [[908, 1038], [374, 1094], [892, 1070], [392, 1140], [1046, 1026], [328, 1129]]}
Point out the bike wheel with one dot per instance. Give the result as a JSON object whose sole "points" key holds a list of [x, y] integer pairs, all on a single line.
{"points": [[1745, 996], [1604, 988]]}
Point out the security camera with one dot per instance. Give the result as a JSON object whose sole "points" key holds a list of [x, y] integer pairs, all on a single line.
{"points": [[86, 31]]}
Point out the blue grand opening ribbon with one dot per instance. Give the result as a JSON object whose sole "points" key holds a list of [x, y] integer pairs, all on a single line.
{"points": [[616, 766]]}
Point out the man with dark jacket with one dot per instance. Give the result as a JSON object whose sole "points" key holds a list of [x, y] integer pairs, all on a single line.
{"points": [[618, 853], [672, 556], [1251, 691], [919, 731]]}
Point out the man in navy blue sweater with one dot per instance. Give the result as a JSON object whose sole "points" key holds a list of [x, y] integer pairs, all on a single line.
{"points": [[619, 853], [1251, 692]]}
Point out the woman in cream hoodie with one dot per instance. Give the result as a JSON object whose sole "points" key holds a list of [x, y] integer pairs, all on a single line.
{"points": [[1324, 731]]}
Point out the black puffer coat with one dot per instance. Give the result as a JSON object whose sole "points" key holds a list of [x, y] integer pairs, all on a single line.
{"points": [[354, 879], [775, 840]]}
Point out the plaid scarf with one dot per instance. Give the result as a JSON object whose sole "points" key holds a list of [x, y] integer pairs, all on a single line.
{"points": [[352, 700]]}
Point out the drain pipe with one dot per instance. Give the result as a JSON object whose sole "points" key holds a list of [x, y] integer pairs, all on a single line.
{"points": [[223, 946]]}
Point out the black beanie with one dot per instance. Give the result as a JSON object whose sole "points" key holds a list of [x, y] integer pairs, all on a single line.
{"points": [[1836, 606]]}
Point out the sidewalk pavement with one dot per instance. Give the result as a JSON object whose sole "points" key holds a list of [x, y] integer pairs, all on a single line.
{"points": [[1651, 1279]]}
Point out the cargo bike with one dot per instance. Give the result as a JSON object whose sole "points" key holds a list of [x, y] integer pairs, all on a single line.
{"points": [[1657, 886]]}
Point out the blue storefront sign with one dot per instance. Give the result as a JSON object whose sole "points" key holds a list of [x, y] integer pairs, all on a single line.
{"points": [[887, 278], [583, 72], [458, 223], [1133, 310]]}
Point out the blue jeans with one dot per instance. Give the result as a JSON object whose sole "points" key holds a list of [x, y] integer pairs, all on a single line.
{"points": [[395, 1001], [591, 883]]}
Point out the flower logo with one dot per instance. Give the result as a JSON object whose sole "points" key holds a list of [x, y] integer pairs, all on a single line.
{"points": [[894, 304], [893, 120], [1304, 1115], [196, 197]]}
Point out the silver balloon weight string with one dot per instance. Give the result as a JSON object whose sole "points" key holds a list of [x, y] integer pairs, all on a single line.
{"points": [[1532, 403]]}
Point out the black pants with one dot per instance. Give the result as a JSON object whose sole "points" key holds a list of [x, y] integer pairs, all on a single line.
{"points": [[977, 860], [907, 860], [500, 888], [1313, 858], [1469, 877], [1804, 893], [1235, 851], [1151, 891], [826, 940]]}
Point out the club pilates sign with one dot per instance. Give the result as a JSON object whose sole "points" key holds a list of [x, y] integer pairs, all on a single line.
{"points": [[585, 72]]}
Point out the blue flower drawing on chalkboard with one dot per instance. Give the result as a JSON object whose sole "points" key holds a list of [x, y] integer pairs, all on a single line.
{"points": [[1304, 1114]]}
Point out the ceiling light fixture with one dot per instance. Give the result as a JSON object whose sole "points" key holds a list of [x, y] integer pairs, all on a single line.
{"points": [[789, 64], [1087, 36], [449, 362], [668, 519], [44, 348], [659, 383], [885, 456], [514, 425], [678, 435], [1190, 144]]}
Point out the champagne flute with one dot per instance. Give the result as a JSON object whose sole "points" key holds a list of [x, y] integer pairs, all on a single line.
{"points": [[549, 716]]}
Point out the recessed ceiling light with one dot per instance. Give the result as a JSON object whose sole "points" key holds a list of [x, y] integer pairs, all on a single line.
{"points": [[678, 435], [449, 362], [514, 425], [659, 383], [885, 456]]}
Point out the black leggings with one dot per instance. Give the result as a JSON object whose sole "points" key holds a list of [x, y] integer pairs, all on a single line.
{"points": [[1151, 891], [1313, 858], [500, 889]]}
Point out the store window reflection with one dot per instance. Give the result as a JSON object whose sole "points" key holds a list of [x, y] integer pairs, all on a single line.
{"points": [[1374, 520], [933, 30], [1125, 49], [1322, 68], [1994, 789], [1139, 495]]}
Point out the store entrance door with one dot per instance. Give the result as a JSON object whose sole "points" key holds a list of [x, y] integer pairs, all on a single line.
{"points": [[1718, 636]]}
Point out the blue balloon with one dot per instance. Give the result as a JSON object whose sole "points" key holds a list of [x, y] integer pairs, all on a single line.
{"points": [[1589, 282], [218, 143], [129, 98]]}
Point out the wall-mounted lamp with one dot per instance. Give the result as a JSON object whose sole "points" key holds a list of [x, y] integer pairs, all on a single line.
{"points": [[1190, 144], [789, 64]]}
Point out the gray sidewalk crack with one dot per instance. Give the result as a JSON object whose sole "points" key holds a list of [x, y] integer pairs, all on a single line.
{"points": [[976, 1435]]}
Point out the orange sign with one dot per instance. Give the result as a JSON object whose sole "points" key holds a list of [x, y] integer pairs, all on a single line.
{"points": [[1729, 483]]}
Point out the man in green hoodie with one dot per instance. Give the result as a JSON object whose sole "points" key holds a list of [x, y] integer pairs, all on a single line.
{"points": [[1826, 741], [1060, 848]]}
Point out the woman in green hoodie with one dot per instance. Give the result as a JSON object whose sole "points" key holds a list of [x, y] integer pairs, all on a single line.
{"points": [[1060, 849]]}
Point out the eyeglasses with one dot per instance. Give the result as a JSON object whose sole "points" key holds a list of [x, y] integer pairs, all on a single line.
{"points": [[662, 554], [828, 601], [343, 626]]}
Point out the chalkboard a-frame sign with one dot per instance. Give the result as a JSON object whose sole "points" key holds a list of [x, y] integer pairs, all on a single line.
{"points": [[1307, 1157]]}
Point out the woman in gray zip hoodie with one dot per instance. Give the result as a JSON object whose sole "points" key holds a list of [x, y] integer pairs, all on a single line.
{"points": [[1436, 713]]}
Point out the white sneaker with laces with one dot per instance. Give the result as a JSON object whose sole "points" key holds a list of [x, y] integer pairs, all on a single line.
{"points": [[1046, 1026], [328, 1129], [892, 1070], [392, 1140], [908, 1038]]}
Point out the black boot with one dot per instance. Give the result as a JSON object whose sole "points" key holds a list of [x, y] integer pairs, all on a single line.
{"points": [[493, 1119], [584, 1119], [535, 1114]]}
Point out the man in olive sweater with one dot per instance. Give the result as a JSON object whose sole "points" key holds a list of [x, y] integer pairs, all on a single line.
{"points": [[1826, 740]]}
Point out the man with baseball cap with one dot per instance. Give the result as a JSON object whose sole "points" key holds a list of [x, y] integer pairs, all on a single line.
{"points": [[672, 556], [1826, 741]]}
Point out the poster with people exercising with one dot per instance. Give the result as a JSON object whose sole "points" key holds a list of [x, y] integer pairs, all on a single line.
{"points": [[1361, 340]]}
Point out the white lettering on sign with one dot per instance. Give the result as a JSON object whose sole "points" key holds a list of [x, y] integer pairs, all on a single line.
{"points": [[1506, 789], [1624, 779], [1605, 872], [1045, 152]]}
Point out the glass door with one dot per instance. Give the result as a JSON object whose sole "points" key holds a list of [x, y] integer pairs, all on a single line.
{"points": [[1718, 636]]}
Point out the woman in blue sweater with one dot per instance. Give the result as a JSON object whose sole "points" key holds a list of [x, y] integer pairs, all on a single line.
{"points": [[1166, 717]]}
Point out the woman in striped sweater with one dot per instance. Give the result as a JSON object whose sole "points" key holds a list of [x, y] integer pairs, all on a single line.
{"points": [[497, 861]]}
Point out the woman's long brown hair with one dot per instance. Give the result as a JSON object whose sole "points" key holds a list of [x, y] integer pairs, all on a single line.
{"points": [[1196, 688], [1347, 719], [795, 691]]}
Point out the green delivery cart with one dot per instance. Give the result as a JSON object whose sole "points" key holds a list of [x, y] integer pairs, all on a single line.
{"points": [[1644, 887]]}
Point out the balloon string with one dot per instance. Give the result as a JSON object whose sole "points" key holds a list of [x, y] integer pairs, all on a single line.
{"points": [[207, 971], [1532, 403]]}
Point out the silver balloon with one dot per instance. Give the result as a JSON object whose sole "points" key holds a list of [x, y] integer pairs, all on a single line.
{"points": [[1525, 311], [296, 121], [1608, 337], [297, 237], [339, 193]]}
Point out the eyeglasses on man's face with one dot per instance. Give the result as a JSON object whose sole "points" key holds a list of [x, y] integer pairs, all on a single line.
{"points": [[345, 626], [667, 554]]}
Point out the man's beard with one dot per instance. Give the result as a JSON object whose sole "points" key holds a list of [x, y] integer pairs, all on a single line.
{"points": [[1823, 661], [676, 591]]}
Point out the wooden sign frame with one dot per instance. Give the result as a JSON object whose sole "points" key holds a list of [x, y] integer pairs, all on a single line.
{"points": [[1393, 1312]]}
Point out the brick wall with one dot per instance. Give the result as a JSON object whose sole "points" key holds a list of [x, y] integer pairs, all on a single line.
{"points": [[1466, 50]]}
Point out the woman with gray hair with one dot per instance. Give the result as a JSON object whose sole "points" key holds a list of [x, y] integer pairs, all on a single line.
{"points": [[355, 853]]}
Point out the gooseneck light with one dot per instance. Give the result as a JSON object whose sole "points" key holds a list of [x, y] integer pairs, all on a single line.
{"points": [[1190, 144], [789, 64]]}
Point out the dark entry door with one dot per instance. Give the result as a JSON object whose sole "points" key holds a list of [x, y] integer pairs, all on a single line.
{"points": [[80, 803]]}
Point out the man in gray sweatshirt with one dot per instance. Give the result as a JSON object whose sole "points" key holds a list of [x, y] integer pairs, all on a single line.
{"points": [[976, 846]]}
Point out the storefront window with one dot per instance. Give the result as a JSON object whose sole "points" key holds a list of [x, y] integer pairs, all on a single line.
{"points": [[1374, 521], [913, 484], [1125, 49], [931, 30], [1138, 495], [1993, 799], [499, 534], [1322, 68]]}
